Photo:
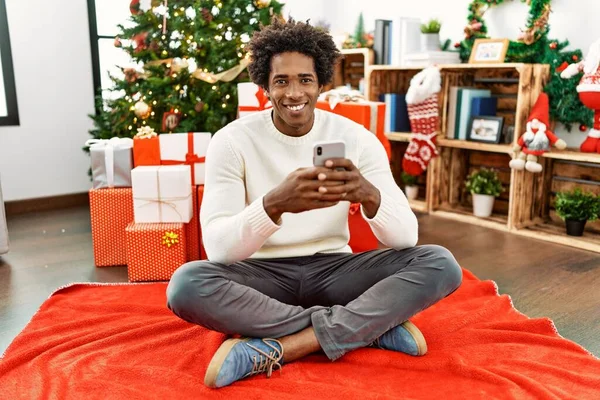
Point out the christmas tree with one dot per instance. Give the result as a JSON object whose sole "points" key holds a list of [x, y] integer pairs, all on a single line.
{"points": [[190, 55]]}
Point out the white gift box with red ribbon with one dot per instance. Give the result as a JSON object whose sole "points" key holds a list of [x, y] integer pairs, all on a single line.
{"points": [[251, 99], [186, 148]]}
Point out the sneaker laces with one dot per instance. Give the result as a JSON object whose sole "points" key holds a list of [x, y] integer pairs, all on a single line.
{"points": [[265, 362]]}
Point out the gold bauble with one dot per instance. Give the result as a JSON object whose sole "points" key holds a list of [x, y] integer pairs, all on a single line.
{"points": [[263, 3], [142, 110]]}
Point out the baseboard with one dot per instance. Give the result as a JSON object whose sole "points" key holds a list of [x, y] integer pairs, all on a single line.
{"points": [[16, 207]]}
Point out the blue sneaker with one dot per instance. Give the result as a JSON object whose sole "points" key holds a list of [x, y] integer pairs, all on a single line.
{"points": [[406, 338], [239, 358]]}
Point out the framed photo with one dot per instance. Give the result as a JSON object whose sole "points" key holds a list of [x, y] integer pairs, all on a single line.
{"points": [[486, 129], [488, 51]]}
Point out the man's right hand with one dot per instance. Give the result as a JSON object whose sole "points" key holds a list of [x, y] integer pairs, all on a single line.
{"points": [[300, 192]]}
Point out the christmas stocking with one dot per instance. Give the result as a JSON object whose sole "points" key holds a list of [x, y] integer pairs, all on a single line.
{"points": [[422, 100]]}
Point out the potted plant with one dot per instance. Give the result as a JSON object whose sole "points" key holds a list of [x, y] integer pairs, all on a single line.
{"points": [[484, 185], [430, 35], [410, 186], [576, 208]]}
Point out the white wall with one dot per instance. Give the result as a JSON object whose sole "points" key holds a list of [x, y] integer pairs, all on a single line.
{"points": [[576, 21], [53, 74]]}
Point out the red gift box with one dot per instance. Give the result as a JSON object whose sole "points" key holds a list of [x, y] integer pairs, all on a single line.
{"points": [[146, 151], [154, 251], [362, 237], [369, 114], [111, 210]]}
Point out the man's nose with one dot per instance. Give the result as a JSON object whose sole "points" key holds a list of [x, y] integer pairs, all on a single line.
{"points": [[294, 90]]}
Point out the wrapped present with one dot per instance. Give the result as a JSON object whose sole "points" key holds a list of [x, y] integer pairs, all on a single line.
{"points": [[251, 98], [111, 210], [192, 229], [162, 194], [111, 162], [146, 147], [185, 148], [200, 196], [154, 251], [369, 114], [362, 237]]}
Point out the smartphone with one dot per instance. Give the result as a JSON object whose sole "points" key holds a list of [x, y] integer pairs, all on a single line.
{"points": [[326, 150]]}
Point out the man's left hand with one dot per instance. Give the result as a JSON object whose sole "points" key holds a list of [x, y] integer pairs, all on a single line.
{"points": [[356, 187]]}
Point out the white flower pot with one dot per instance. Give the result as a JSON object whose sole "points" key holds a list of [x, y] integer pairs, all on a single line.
{"points": [[412, 192], [430, 42], [482, 205]]}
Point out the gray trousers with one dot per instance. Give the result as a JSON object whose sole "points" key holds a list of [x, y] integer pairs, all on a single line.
{"points": [[349, 299]]}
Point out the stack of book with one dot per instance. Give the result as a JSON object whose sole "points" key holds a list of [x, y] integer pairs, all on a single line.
{"points": [[464, 103], [396, 112]]}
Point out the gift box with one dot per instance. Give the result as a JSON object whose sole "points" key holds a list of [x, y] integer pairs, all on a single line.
{"points": [[251, 98], [200, 196], [162, 194], [111, 211], [369, 114], [111, 162], [154, 251], [185, 148], [192, 229], [146, 151], [362, 237]]}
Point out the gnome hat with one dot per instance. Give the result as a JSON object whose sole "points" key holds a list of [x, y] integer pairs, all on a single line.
{"points": [[541, 110]]}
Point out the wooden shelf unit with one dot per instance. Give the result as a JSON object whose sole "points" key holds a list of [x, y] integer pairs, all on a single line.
{"points": [[526, 207], [352, 68]]}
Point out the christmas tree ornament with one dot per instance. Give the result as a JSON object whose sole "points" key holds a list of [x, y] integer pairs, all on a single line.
{"points": [[134, 7], [553, 45], [422, 101], [537, 138], [583, 128], [117, 42], [131, 75], [199, 107], [142, 110], [589, 92], [206, 15], [263, 3], [140, 41], [170, 121]]}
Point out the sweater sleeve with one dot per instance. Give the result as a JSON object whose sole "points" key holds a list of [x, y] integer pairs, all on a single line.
{"points": [[394, 224], [231, 229]]}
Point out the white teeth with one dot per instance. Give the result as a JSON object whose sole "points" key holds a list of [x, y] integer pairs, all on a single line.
{"points": [[296, 108]]}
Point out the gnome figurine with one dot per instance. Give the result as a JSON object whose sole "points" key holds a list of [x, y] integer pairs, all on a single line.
{"points": [[537, 138], [589, 92]]}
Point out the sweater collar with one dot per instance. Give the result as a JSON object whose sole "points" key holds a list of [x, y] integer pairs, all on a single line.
{"points": [[294, 141]]}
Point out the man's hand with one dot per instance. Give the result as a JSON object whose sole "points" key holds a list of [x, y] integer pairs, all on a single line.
{"points": [[355, 187], [301, 192]]}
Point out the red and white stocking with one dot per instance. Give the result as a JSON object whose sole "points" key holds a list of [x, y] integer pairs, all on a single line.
{"points": [[424, 119]]}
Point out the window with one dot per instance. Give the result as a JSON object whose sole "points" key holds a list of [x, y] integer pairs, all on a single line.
{"points": [[9, 113], [104, 16]]}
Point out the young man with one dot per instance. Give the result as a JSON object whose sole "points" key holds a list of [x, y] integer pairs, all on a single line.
{"points": [[280, 271]]}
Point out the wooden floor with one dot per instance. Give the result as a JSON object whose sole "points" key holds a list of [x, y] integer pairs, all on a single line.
{"points": [[51, 249]]}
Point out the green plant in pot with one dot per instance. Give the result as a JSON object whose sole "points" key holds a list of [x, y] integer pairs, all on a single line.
{"points": [[484, 186], [410, 185], [576, 208], [430, 35]]}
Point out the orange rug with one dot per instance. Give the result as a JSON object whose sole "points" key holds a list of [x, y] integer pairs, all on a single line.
{"points": [[119, 341]]}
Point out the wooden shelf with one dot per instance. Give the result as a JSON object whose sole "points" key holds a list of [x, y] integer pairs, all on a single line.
{"points": [[573, 155], [465, 144], [418, 205], [398, 136], [554, 233], [449, 66], [364, 51]]}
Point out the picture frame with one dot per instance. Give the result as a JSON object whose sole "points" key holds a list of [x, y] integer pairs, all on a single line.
{"points": [[485, 129], [489, 51]]}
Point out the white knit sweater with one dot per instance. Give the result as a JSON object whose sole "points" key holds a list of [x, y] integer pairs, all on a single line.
{"points": [[249, 157]]}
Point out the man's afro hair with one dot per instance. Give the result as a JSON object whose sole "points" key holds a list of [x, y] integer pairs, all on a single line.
{"points": [[291, 36]]}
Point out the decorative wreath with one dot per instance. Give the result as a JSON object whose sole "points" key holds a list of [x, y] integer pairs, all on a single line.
{"points": [[526, 48]]}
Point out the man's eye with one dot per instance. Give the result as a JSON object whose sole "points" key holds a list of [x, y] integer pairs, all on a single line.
{"points": [[307, 80], [280, 82]]}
